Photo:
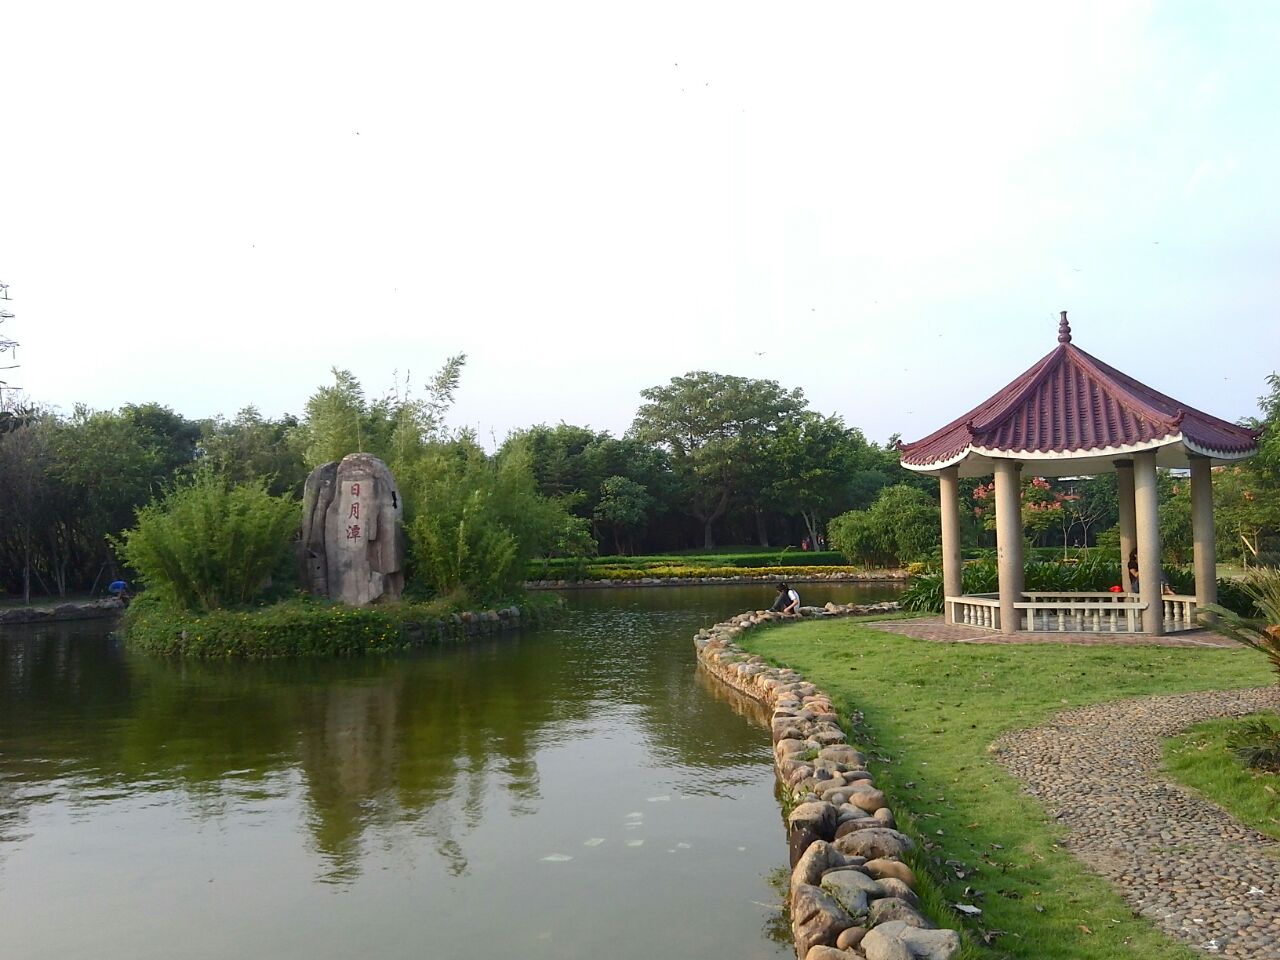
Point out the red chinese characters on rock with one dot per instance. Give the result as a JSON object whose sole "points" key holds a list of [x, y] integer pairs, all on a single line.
{"points": [[353, 529]]}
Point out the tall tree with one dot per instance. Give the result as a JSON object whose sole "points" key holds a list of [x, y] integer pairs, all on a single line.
{"points": [[251, 447], [1246, 507], [24, 480], [1092, 505], [715, 428], [339, 419], [109, 468], [172, 435], [563, 458], [623, 508], [817, 457], [1258, 508], [1268, 458]]}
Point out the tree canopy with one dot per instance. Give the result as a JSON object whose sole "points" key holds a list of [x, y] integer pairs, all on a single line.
{"points": [[717, 430], [708, 458]]}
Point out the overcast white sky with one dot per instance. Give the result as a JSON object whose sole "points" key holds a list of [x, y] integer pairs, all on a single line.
{"points": [[885, 204]]}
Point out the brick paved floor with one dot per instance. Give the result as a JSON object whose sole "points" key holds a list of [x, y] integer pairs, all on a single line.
{"points": [[932, 628]]}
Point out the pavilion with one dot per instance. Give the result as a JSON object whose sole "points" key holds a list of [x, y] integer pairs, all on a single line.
{"points": [[1071, 415]]}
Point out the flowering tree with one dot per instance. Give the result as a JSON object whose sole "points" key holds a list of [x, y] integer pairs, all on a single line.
{"points": [[1042, 506], [1245, 507]]}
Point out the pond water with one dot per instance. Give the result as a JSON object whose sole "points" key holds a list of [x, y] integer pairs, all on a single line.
{"points": [[575, 791]]}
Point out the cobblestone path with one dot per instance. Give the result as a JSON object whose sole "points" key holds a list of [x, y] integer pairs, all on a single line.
{"points": [[1200, 875]]}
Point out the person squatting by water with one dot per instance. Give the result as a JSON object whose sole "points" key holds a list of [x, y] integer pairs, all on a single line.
{"points": [[787, 601]]}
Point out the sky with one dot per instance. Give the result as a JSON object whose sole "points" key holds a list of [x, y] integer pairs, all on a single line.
{"points": [[886, 205]]}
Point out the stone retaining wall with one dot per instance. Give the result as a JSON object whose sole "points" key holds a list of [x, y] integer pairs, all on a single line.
{"points": [[851, 894], [765, 576], [83, 610], [458, 625]]}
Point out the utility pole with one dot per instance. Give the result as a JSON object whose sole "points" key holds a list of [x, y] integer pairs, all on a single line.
{"points": [[7, 346]]}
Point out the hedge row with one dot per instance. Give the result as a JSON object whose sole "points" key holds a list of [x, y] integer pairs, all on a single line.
{"points": [[598, 568], [696, 573]]}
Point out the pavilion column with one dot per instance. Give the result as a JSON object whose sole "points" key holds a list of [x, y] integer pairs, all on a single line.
{"points": [[1128, 519], [1009, 541], [949, 504], [1146, 504], [1203, 546]]}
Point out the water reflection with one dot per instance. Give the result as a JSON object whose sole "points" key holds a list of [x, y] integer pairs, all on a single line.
{"points": [[430, 775], [750, 709], [373, 742]]}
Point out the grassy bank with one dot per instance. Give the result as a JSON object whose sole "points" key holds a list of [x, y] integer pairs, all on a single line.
{"points": [[305, 627], [930, 710], [1200, 758]]}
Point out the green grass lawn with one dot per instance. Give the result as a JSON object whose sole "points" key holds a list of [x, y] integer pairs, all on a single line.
{"points": [[930, 710], [1200, 759]]}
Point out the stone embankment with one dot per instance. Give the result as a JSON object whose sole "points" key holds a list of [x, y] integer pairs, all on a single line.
{"points": [[851, 893], [84, 610], [455, 624], [467, 624], [764, 576]]}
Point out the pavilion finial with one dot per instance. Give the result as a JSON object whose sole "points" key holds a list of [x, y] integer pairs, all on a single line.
{"points": [[1064, 329]]}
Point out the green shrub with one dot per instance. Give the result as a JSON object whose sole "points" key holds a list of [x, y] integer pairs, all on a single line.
{"points": [[902, 525], [1095, 574], [458, 544], [478, 521], [923, 593], [1108, 541], [207, 543], [1233, 596], [1261, 628], [1256, 741], [300, 627]]}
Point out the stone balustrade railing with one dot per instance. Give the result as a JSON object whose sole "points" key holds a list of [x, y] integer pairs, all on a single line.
{"points": [[851, 893], [1180, 612], [975, 610], [1081, 611], [1075, 611]]}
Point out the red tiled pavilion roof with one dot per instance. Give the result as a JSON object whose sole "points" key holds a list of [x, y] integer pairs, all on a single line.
{"points": [[1072, 405]]}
